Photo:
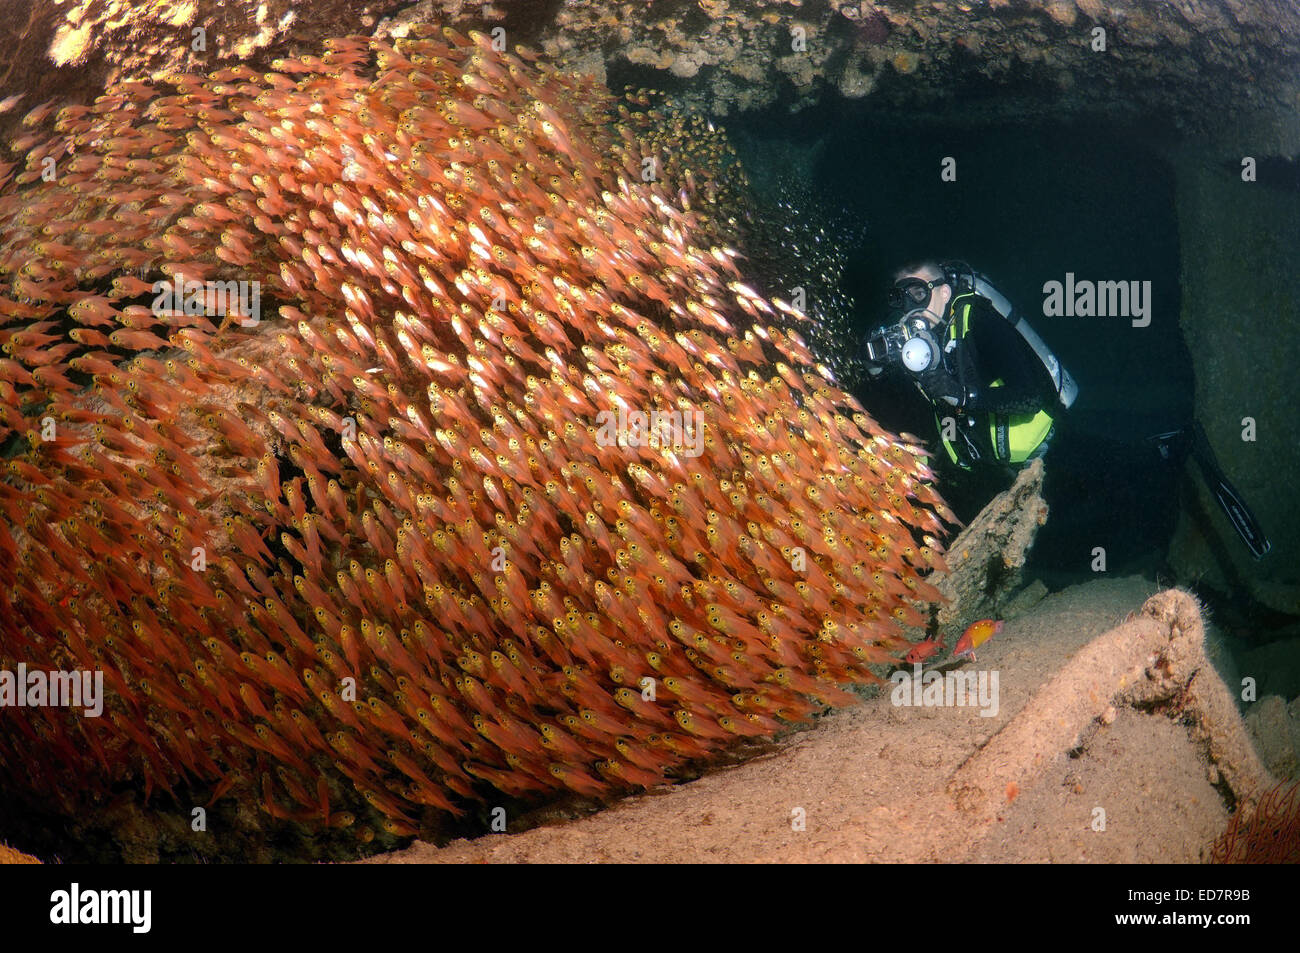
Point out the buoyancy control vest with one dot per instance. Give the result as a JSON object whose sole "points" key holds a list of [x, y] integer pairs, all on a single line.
{"points": [[1015, 437]]}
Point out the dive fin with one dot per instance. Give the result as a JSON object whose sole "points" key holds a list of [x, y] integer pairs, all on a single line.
{"points": [[1230, 501], [1170, 443]]}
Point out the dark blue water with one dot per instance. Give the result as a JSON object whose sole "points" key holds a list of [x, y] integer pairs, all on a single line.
{"points": [[1029, 205]]}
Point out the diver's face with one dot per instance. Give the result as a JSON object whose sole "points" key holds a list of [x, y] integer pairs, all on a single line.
{"points": [[913, 293], [938, 304]]}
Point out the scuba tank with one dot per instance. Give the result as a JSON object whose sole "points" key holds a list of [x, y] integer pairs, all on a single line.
{"points": [[959, 273]]}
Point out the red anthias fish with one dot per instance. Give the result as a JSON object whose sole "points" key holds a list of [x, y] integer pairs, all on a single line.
{"points": [[923, 650], [976, 634]]}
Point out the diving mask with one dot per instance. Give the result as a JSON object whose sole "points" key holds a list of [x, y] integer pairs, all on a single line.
{"points": [[909, 294]]}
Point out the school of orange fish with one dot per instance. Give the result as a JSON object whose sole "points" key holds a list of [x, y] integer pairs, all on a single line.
{"points": [[395, 480]]}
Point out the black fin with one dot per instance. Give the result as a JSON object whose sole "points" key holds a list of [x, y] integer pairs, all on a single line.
{"points": [[1230, 501]]}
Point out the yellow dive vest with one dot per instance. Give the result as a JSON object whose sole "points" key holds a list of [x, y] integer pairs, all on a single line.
{"points": [[1015, 437]]}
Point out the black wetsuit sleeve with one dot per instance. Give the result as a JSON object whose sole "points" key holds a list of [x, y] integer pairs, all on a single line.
{"points": [[998, 352]]}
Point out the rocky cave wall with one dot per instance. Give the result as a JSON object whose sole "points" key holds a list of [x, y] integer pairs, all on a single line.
{"points": [[1240, 317], [1194, 59]]}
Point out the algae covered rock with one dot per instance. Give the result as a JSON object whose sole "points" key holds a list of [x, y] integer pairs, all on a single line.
{"points": [[986, 561]]}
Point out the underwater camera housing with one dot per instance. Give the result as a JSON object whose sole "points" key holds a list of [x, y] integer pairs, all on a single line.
{"points": [[907, 343]]}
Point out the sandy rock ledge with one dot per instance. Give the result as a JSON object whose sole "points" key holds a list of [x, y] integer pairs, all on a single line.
{"points": [[1113, 740]]}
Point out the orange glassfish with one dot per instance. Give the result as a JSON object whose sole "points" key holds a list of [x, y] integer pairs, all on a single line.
{"points": [[976, 634], [923, 650]]}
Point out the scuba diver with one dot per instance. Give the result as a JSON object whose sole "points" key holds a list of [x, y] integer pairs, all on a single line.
{"points": [[995, 387]]}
